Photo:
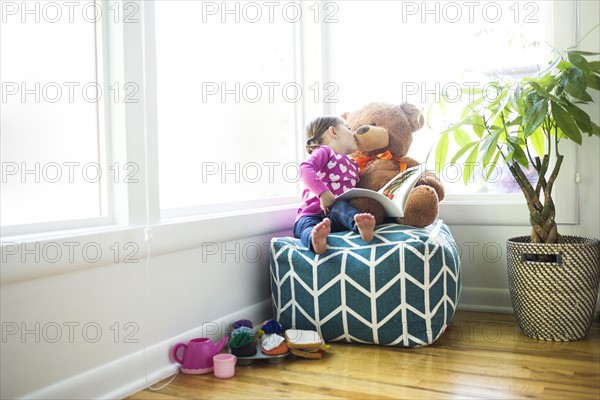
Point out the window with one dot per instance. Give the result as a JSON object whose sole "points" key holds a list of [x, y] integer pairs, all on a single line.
{"points": [[438, 47], [51, 143], [202, 104], [226, 98]]}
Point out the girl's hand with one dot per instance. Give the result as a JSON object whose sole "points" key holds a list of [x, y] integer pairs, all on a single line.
{"points": [[327, 200]]}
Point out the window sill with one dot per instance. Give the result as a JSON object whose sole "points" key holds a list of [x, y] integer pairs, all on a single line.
{"points": [[33, 256], [499, 210], [478, 212], [28, 257]]}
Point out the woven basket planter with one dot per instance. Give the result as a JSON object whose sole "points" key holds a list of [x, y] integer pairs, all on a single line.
{"points": [[554, 300]]}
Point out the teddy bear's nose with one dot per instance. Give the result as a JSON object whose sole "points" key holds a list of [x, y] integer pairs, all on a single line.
{"points": [[362, 130]]}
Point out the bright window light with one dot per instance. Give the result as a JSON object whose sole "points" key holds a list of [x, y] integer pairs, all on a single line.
{"points": [[226, 96], [397, 51], [51, 169]]}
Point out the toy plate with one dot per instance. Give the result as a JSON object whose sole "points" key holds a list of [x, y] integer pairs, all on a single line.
{"points": [[261, 356]]}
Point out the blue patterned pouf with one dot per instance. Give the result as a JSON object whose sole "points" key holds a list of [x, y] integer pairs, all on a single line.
{"points": [[401, 289]]}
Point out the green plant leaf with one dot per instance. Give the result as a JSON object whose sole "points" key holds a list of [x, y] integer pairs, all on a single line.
{"points": [[582, 119], [503, 101], [471, 106], [501, 93], [595, 129], [594, 66], [542, 92], [566, 123], [547, 81], [533, 97], [584, 53], [470, 164], [550, 67], [518, 153], [516, 140], [441, 152], [575, 84], [593, 81], [509, 155], [578, 60], [516, 97], [515, 121], [478, 125], [462, 151], [472, 90], [536, 116], [561, 135], [461, 137], [489, 146], [564, 65], [492, 166], [468, 120], [538, 141]]}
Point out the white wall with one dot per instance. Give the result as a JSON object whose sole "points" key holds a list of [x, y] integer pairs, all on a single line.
{"points": [[82, 334]]}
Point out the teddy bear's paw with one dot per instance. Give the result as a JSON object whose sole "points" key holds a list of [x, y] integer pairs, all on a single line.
{"points": [[422, 207], [430, 179]]}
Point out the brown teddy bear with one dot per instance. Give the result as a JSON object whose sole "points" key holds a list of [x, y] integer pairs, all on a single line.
{"points": [[384, 135]]}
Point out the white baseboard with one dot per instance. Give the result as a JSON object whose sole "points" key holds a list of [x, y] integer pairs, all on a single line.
{"points": [[485, 300], [141, 369]]}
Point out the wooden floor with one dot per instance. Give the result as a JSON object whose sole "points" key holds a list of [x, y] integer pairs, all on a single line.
{"points": [[481, 355]]}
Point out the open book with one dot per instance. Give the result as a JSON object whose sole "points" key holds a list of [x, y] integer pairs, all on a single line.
{"points": [[392, 196]]}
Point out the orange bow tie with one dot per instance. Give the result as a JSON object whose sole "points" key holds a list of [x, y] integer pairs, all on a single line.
{"points": [[362, 161]]}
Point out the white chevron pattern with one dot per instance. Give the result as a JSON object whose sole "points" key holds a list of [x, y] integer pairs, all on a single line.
{"points": [[422, 265]]}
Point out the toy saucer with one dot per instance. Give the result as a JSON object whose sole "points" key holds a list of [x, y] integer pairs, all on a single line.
{"points": [[260, 356]]}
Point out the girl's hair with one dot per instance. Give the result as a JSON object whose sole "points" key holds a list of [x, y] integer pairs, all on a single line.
{"points": [[316, 128]]}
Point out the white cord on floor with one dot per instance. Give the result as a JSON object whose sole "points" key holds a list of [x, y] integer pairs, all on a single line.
{"points": [[154, 389]]}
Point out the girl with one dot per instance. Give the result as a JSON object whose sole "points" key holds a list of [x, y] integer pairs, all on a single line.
{"points": [[327, 173]]}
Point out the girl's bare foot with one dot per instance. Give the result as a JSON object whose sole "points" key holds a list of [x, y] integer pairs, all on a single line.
{"points": [[319, 236], [366, 225]]}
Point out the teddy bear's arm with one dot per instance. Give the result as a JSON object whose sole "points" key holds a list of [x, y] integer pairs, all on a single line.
{"points": [[422, 207], [431, 180], [409, 161], [428, 178]]}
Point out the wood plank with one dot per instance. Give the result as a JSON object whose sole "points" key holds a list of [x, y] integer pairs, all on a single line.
{"points": [[481, 355]]}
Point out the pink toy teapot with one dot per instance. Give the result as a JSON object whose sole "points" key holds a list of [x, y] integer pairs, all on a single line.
{"points": [[197, 355]]}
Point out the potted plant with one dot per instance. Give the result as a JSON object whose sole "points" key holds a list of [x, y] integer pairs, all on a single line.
{"points": [[553, 279]]}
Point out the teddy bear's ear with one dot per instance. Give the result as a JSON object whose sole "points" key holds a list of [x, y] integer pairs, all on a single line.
{"points": [[345, 115], [415, 118]]}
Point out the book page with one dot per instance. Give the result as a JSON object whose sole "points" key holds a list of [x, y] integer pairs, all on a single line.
{"points": [[394, 193], [401, 184]]}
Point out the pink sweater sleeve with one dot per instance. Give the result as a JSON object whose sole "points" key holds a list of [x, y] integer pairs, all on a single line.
{"points": [[309, 169]]}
